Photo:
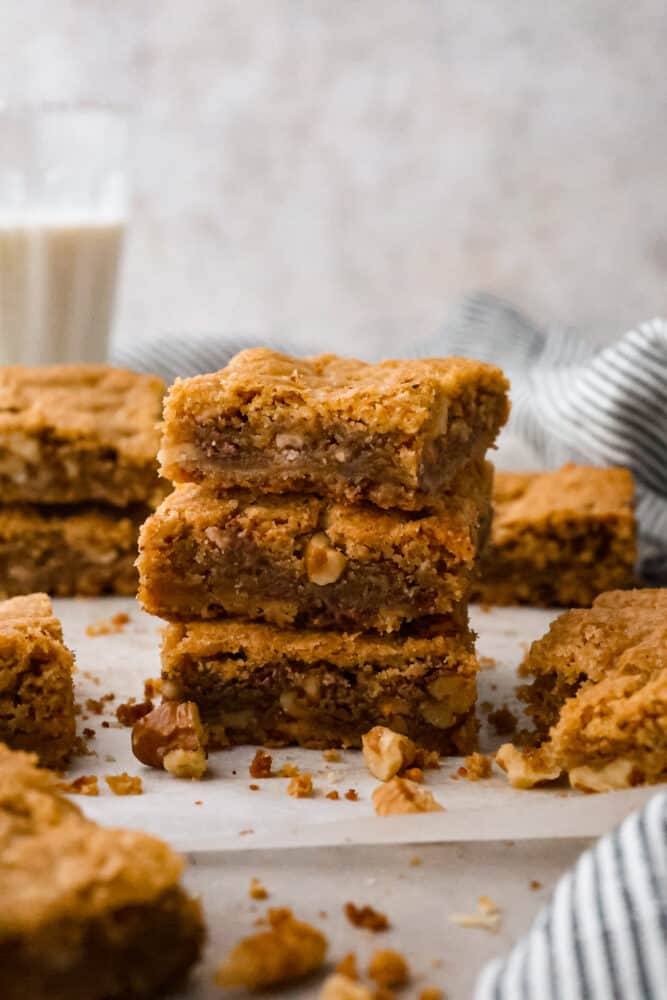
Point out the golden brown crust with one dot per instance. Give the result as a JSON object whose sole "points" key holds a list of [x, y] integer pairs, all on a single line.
{"points": [[206, 555], [76, 433], [559, 538], [394, 433]]}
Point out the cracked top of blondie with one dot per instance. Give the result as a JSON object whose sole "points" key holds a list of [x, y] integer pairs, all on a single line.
{"points": [[79, 403], [31, 610], [57, 865]]}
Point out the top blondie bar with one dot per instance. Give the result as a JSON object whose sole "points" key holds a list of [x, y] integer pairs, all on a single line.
{"points": [[394, 433], [77, 433]]}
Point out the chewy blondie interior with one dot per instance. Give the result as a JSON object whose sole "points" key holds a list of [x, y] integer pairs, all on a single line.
{"points": [[36, 690], [300, 559], [598, 691], [78, 433], [87, 913], [395, 433], [559, 538], [255, 683]]}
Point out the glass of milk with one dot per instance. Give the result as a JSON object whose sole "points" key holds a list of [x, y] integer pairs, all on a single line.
{"points": [[63, 208]]}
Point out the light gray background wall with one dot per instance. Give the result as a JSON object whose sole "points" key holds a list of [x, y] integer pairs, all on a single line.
{"points": [[344, 171]]}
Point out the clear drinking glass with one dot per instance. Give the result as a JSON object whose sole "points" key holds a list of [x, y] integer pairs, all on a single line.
{"points": [[63, 212]]}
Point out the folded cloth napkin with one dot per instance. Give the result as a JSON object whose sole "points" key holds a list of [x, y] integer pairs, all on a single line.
{"points": [[603, 935], [571, 402]]}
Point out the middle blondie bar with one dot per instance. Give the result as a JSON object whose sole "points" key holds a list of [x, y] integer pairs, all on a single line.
{"points": [[255, 683], [300, 559]]}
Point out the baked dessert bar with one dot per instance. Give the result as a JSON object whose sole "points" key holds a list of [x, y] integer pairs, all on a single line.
{"points": [[255, 683], [299, 559], [598, 693], [76, 433], [36, 693], [559, 538], [87, 913], [68, 551], [395, 433]]}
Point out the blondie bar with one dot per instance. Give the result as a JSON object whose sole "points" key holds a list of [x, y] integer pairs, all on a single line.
{"points": [[87, 913], [395, 433], [76, 433], [255, 683], [559, 538], [300, 559], [36, 692], [598, 695], [68, 551]]}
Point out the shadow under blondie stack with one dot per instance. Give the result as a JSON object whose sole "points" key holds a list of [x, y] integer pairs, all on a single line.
{"points": [[78, 475], [316, 556]]}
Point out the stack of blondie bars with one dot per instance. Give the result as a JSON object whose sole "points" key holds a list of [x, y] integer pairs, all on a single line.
{"points": [[78, 474], [316, 556]]}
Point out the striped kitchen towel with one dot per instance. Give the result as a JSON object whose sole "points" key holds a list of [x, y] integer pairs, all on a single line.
{"points": [[570, 402], [603, 935]]}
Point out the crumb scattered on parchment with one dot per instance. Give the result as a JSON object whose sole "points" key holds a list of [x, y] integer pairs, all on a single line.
{"points": [[124, 784], [198, 802], [534, 884], [332, 795], [289, 771], [348, 966], [503, 720], [97, 705], [260, 766], [284, 953], [108, 626], [152, 687], [341, 987], [351, 795], [257, 890], [388, 968], [253, 788], [486, 662], [478, 766], [487, 917], [301, 787], [87, 784], [431, 993], [332, 755], [426, 759], [245, 833], [415, 861], [89, 734], [366, 917], [414, 774], [81, 750], [131, 711]]}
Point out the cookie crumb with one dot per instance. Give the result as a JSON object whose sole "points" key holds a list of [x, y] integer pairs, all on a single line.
{"points": [[478, 766], [534, 884], [130, 711], [486, 662], [414, 774], [301, 787], [260, 766], [108, 626], [332, 755], [257, 890], [332, 795], [253, 788], [388, 968], [366, 917], [415, 860], [87, 784], [340, 987], [348, 966], [124, 784], [289, 771], [351, 795], [287, 951]]}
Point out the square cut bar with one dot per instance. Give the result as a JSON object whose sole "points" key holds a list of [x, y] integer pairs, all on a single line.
{"points": [[559, 538], [77, 433], [36, 691], [255, 683], [395, 433], [87, 913], [68, 551], [598, 691], [299, 559]]}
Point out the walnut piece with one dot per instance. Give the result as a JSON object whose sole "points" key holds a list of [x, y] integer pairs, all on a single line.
{"points": [[171, 737], [386, 752], [324, 563], [527, 768], [289, 950], [342, 987], [124, 784], [606, 778], [388, 968], [400, 796]]}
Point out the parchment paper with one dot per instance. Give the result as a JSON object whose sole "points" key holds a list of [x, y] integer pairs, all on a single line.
{"points": [[222, 813]]}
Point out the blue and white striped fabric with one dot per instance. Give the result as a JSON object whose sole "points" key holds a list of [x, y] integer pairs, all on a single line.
{"points": [[570, 402], [603, 935]]}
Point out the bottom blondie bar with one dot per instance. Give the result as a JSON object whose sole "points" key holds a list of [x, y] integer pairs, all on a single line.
{"points": [[68, 551], [36, 693], [256, 683], [598, 695], [87, 913], [559, 538]]}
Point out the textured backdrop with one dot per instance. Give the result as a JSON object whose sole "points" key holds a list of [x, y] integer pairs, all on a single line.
{"points": [[342, 172]]}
